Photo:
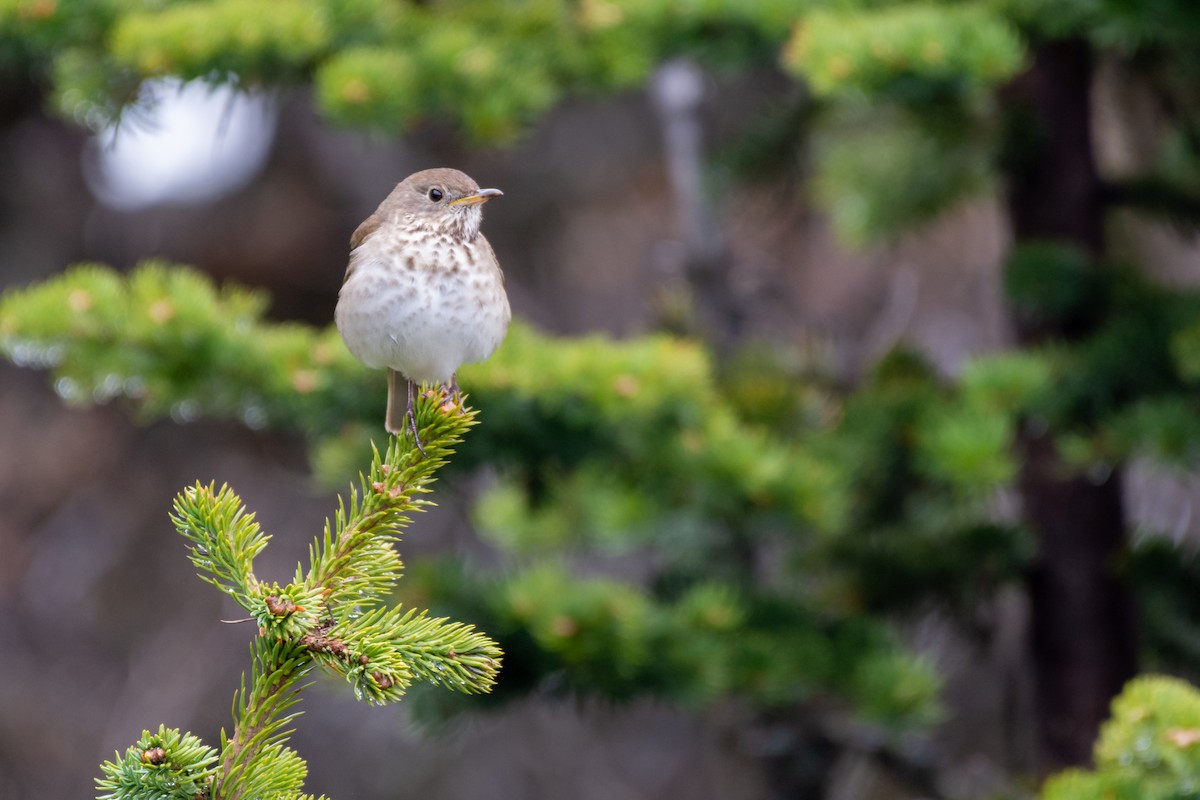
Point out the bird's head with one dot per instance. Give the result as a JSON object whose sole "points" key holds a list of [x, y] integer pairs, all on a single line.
{"points": [[442, 200]]}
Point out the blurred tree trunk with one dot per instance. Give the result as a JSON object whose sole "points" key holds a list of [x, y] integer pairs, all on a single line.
{"points": [[1084, 646]]}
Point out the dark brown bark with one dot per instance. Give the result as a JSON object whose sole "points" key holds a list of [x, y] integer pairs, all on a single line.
{"points": [[1082, 626], [1084, 647], [1054, 190]]}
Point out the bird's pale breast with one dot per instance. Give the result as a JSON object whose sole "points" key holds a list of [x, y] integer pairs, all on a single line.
{"points": [[422, 303]]}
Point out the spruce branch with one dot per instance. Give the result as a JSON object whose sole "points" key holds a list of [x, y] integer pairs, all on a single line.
{"points": [[334, 616], [167, 764], [354, 564], [224, 537], [173, 344], [386, 649], [254, 762]]}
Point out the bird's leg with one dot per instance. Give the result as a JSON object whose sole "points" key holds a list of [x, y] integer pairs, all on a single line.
{"points": [[455, 392], [412, 414]]}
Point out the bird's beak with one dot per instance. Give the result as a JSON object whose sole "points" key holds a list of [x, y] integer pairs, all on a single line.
{"points": [[482, 196]]}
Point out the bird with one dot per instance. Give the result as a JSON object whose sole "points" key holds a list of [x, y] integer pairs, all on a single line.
{"points": [[423, 292]]}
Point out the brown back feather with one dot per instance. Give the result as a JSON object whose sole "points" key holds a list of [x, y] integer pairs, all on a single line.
{"points": [[360, 235]]}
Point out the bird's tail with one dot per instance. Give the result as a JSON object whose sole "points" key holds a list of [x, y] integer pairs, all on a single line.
{"points": [[397, 403]]}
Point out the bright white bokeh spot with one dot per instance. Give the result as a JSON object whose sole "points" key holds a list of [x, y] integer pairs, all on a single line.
{"points": [[196, 143]]}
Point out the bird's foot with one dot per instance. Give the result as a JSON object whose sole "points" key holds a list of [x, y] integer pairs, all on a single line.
{"points": [[449, 396]]}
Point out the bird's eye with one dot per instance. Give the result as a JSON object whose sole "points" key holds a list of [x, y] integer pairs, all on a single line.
{"points": [[435, 194]]}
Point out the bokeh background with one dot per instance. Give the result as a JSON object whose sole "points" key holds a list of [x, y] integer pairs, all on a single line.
{"points": [[806, 189]]}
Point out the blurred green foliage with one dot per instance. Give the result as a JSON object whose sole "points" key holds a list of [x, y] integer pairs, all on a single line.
{"points": [[879, 175], [1148, 750], [878, 48], [1166, 581], [488, 66], [907, 88]]}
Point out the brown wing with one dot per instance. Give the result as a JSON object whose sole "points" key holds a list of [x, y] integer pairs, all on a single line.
{"points": [[368, 226]]}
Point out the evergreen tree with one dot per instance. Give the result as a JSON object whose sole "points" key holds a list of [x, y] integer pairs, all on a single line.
{"points": [[876, 502]]}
